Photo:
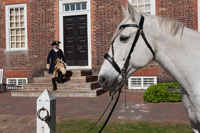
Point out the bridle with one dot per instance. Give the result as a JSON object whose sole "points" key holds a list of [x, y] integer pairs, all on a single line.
{"points": [[122, 72]]}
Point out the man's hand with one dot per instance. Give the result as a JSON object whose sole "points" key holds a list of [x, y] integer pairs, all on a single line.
{"points": [[48, 66]]}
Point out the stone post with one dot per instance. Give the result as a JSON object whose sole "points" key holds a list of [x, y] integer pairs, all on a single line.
{"points": [[46, 113]]}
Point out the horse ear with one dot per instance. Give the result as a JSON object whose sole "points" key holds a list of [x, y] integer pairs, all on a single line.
{"points": [[124, 11], [132, 12]]}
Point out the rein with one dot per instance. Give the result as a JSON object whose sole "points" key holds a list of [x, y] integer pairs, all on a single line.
{"points": [[122, 72]]}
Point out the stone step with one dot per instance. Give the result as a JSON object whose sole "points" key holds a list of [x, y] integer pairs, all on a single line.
{"points": [[64, 86], [75, 79], [60, 93], [73, 73]]}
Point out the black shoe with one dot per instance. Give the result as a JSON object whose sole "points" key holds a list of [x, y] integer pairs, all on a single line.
{"points": [[54, 84]]}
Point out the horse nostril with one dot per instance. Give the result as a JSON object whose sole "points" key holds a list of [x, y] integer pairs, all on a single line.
{"points": [[102, 80]]}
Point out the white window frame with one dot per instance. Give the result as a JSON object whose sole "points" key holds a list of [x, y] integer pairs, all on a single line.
{"points": [[17, 80], [153, 6], [142, 82], [7, 13], [87, 12]]}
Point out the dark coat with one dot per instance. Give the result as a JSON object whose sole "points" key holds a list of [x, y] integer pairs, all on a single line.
{"points": [[52, 56]]}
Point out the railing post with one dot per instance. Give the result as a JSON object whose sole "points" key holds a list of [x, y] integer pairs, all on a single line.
{"points": [[46, 113]]}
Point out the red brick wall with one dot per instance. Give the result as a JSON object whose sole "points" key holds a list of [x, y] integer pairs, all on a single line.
{"points": [[182, 10], [42, 30], [106, 15]]}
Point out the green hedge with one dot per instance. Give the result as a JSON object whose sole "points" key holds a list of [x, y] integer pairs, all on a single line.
{"points": [[158, 93]]}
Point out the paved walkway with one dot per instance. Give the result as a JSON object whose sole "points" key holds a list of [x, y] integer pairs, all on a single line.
{"points": [[17, 114]]}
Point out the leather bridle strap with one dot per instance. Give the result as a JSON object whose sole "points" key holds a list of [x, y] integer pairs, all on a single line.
{"points": [[114, 64], [126, 64]]}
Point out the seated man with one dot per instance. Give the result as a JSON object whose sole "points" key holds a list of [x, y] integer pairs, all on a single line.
{"points": [[56, 63]]}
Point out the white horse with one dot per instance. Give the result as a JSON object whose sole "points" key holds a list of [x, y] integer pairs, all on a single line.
{"points": [[176, 48]]}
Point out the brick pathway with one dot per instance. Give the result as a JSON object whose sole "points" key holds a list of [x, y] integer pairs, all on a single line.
{"points": [[17, 114]]}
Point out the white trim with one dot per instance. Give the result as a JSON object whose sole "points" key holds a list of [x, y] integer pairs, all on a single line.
{"points": [[153, 7], [73, 13], [7, 14], [198, 13], [140, 82], [1, 76], [17, 80]]}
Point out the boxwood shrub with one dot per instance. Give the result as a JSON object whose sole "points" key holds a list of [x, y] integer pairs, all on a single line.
{"points": [[158, 93]]}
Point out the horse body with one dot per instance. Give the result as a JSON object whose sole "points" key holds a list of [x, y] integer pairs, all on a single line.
{"points": [[176, 48]]}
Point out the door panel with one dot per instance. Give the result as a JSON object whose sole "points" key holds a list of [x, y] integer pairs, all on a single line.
{"points": [[75, 40]]}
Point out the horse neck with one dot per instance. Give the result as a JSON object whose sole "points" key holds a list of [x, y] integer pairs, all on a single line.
{"points": [[180, 56]]}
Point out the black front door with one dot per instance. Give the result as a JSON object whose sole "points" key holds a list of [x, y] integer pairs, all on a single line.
{"points": [[75, 40]]}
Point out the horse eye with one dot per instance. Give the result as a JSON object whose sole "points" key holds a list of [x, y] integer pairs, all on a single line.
{"points": [[124, 38]]}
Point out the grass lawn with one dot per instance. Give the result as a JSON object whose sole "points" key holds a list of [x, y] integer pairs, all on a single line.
{"points": [[82, 126]]}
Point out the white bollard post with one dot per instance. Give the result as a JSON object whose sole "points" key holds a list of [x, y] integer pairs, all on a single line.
{"points": [[46, 113]]}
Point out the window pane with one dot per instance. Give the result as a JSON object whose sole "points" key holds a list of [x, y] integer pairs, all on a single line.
{"points": [[17, 24], [18, 38], [84, 6], [23, 45], [23, 38], [12, 24], [12, 38], [141, 8], [12, 32], [16, 11], [21, 10], [72, 7], [12, 11], [67, 7], [134, 2], [12, 18], [18, 32], [140, 1], [17, 45], [22, 24], [23, 31], [12, 45], [148, 8], [78, 6], [17, 17], [22, 17]]}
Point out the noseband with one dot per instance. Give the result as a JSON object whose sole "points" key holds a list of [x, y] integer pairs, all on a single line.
{"points": [[123, 71]]}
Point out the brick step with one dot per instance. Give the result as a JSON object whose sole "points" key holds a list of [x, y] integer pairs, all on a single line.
{"points": [[65, 86], [60, 93], [73, 73], [76, 79]]}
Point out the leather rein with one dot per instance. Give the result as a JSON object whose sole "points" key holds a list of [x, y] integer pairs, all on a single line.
{"points": [[122, 72]]}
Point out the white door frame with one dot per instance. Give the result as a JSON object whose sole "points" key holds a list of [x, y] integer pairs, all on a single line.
{"points": [[87, 12]]}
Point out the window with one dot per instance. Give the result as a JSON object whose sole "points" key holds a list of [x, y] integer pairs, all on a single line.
{"points": [[75, 6], [16, 27], [138, 82], [147, 6], [16, 81]]}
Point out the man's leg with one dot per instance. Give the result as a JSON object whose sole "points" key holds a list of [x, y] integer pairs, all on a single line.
{"points": [[54, 79]]}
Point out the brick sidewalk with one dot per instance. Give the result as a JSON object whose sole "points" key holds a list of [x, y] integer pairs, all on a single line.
{"points": [[18, 111]]}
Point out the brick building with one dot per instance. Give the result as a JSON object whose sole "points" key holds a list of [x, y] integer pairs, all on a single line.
{"points": [[85, 27]]}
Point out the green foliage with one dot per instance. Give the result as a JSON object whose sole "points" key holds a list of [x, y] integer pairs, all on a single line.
{"points": [[158, 93]]}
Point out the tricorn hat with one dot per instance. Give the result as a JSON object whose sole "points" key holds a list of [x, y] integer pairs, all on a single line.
{"points": [[55, 43]]}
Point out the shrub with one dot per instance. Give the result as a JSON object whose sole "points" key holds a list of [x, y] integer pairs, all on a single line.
{"points": [[158, 93]]}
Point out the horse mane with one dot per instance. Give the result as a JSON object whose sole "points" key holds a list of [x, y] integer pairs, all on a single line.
{"points": [[171, 26]]}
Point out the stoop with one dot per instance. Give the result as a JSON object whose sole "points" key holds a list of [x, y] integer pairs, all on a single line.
{"points": [[80, 83]]}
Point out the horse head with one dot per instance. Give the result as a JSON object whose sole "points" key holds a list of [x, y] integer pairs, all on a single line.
{"points": [[122, 42]]}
